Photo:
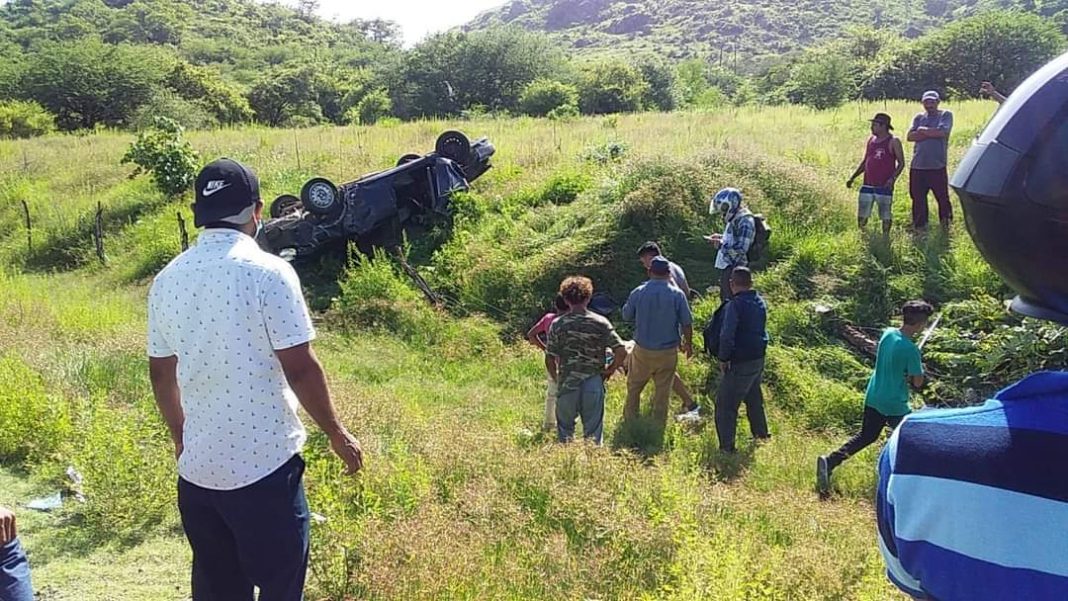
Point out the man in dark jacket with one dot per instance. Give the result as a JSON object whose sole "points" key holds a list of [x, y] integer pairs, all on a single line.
{"points": [[742, 346]]}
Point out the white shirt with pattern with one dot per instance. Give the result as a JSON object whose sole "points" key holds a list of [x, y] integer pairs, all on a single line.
{"points": [[223, 308]]}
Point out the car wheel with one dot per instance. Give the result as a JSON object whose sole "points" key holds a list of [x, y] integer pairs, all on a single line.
{"points": [[284, 205], [319, 195], [408, 158], [455, 146]]}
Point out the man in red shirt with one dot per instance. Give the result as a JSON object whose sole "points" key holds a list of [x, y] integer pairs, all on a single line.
{"points": [[884, 159]]}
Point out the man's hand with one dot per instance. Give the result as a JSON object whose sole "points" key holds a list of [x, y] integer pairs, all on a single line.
{"points": [[987, 89], [850, 182], [687, 349], [347, 448], [890, 182], [178, 448], [715, 239], [7, 526]]}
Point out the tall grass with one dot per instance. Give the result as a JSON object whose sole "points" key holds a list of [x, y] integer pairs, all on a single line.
{"points": [[462, 498]]}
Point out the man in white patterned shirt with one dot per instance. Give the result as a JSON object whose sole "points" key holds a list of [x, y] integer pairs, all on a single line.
{"points": [[229, 358]]}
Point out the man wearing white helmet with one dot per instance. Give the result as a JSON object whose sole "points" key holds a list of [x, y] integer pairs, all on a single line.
{"points": [[736, 238]]}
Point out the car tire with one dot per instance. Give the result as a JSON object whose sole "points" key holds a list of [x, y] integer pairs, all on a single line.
{"points": [[320, 196], [284, 205], [454, 146], [408, 158]]}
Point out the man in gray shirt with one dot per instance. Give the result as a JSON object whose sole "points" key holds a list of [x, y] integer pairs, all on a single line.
{"points": [[930, 131]]}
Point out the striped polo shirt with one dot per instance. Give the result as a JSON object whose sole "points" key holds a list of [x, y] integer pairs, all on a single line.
{"points": [[973, 503]]}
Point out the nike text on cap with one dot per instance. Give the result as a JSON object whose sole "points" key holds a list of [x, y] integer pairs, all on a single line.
{"points": [[226, 191]]}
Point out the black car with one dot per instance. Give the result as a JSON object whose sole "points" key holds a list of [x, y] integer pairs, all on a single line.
{"points": [[374, 210]]}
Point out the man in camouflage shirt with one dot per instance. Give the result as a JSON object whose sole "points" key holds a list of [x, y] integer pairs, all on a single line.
{"points": [[576, 347]]}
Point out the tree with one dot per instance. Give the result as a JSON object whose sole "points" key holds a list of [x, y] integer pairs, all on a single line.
{"points": [[822, 81], [543, 96], [85, 83], [284, 93], [999, 46], [611, 87], [206, 87], [661, 92], [454, 71]]}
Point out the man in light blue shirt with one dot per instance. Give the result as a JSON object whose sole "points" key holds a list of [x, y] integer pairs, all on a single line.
{"points": [[663, 323]]}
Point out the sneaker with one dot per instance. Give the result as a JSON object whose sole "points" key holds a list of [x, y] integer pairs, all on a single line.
{"points": [[693, 415], [823, 476]]}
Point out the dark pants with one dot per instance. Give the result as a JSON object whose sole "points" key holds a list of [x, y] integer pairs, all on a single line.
{"points": [[252, 536], [725, 284], [920, 182], [870, 429], [14, 573], [740, 383]]}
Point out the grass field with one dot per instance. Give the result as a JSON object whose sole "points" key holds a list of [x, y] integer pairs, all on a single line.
{"points": [[461, 497]]}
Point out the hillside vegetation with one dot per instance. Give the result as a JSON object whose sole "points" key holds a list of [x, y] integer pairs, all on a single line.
{"points": [[83, 65], [747, 28], [461, 497]]}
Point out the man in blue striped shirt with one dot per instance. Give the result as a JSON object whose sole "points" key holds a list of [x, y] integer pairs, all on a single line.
{"points": [[972, 503]]}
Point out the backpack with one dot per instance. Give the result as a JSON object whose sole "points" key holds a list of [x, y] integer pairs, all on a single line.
{"points": [[712, 331], [759, 248]]}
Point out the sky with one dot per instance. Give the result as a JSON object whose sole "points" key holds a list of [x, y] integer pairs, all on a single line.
{"points": [[417, 18]]}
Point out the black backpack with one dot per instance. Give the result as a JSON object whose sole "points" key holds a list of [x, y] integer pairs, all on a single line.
{"points": [[759, 248], [712, 331]]}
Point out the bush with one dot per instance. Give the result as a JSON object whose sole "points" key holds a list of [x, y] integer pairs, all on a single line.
{"points": [[24, 120], [370, 109], [544, 96], [188, 114], [612, 87], [163, 152], [822, 82], [33, 425]]}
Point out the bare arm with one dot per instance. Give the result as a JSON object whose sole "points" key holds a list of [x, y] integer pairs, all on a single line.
{"points": [[917, 135], [619, 355], [553, 365], [856, 174], [305, 376], [687, 340], [899, 156], [164, 375], [917, 382], [532, 336]]}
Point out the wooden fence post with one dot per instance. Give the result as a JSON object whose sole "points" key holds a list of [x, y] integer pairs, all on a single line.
{"points": [[29, 226], [184, 235], [98, 233]]}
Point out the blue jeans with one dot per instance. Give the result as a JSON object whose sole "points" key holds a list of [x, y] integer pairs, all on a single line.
{"points": [[253, 536], [14, 573], [587, 402]]}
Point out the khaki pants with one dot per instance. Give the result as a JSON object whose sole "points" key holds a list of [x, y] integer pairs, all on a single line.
{"points": [[658, 366]]}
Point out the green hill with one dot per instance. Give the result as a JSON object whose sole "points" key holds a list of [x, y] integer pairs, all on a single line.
{"points": [[721, 28]]}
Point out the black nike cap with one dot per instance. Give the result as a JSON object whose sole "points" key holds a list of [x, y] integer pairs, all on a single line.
{"points": [[226, 191]]}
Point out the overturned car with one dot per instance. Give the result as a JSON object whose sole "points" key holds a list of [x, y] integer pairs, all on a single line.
{"points": [[376, 209]]}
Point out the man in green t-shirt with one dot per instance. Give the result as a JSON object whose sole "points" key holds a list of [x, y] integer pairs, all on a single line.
{"points": [[886, 403]]}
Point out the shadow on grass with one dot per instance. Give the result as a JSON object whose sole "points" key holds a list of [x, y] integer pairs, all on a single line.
{"points": [[644, 436]]}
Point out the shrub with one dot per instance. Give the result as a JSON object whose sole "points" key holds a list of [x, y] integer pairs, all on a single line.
{"points": [[612, 87], [370, 109], [546, 96], [163, 152], [24, 120], [33, 425]]}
